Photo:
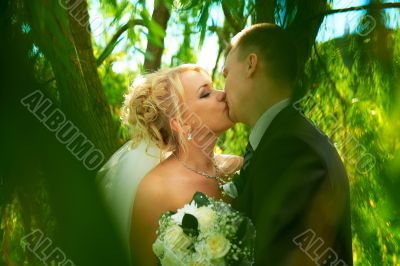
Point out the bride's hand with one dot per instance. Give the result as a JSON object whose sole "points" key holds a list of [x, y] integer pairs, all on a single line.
{"points": [[228, 164]]}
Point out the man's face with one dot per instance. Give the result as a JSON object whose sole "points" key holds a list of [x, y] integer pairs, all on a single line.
{"points": [[236, 85]]}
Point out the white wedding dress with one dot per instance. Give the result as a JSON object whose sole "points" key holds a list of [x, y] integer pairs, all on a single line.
{"points": [[118, 180]]}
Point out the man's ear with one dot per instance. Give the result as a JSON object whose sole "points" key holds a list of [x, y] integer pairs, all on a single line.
{"points": [[251, 64]]}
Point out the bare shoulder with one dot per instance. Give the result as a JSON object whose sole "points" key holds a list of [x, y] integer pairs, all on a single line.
{"points": [[152, 188], [160, 187], [229, 163]]}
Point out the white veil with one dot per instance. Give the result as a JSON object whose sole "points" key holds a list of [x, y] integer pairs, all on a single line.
{"points": [[118, 180]]}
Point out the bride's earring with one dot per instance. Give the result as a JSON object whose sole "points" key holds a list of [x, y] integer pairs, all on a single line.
{"points": [[189, 136]]}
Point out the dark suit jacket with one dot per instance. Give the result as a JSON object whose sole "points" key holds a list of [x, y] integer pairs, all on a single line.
{"points": [[296, 192]]}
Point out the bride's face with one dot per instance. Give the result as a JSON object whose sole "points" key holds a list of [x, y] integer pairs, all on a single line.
{"points": [[204, 103]]}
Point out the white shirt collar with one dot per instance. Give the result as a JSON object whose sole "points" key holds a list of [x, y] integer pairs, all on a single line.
{"points": [[264, 121]]}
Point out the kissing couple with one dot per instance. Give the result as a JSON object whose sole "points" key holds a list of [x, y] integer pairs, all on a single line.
{"points": [[291, 182]]}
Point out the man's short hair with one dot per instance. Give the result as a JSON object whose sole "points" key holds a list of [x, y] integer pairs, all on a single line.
{"points": [[273, 46]]}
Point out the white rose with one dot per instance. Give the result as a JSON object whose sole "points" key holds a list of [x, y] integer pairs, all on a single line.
{"points": [[198, 260], [171, 259], [158, 248], [206, 218], [217, 246], [176, 239], [218, 262]]}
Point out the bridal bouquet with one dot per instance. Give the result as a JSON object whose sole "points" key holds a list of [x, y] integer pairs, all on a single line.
{"points": [[204, 232]]}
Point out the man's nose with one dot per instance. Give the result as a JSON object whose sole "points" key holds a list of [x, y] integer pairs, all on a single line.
{"points": [[221, 96]]}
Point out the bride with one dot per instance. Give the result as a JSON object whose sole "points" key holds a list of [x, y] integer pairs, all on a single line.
{"points": [[178, 113]]}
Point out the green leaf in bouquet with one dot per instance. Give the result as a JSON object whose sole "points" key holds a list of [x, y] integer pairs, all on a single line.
{"points": [[200, 199], [190, 225]]}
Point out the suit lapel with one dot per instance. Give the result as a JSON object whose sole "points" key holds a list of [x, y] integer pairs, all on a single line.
{"points": [[277, 127]]}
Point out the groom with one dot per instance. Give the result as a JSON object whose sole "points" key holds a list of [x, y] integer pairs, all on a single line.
{"points": [[293, 185]]}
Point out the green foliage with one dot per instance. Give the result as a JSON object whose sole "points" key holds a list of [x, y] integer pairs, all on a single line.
{"points": [[20, 217], [234, 140], [350, 103], [115, 85], [186, 53]]}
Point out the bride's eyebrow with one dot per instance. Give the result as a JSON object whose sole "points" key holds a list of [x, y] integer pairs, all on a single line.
{"points": [[204, 85]]}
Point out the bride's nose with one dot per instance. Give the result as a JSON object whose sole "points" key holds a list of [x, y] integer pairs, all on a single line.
{"points": [[221, 96]]}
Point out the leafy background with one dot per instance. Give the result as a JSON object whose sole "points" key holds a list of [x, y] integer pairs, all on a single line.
{"points": [[351, 85]]}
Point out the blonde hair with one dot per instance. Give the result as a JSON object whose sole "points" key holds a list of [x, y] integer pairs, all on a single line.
{"points": [[152, 100]]}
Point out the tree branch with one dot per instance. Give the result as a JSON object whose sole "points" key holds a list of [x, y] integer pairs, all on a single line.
{"points": [[331, 82], [223, 39], [214, 71], [156, 38], [229, 18], [356, 8], [110, 46]]}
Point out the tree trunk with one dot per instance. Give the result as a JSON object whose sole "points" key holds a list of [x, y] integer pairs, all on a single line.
{"points": [[65, 40], [265, 11], [304, 32], [155, 40], [98, 114]]}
